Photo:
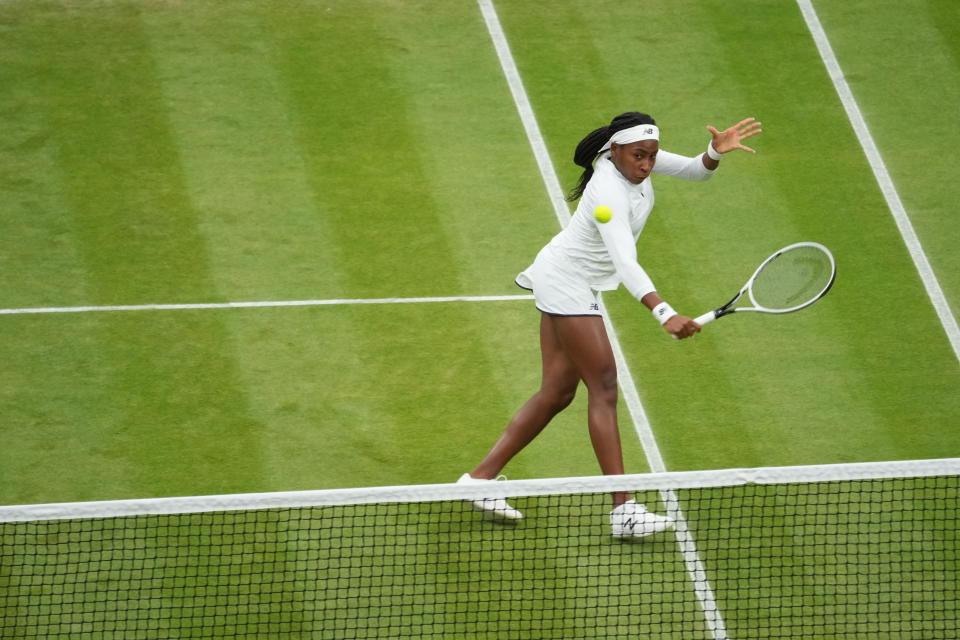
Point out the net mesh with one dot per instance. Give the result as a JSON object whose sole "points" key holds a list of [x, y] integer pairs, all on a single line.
{"points": [[848, 558], [793, 278]]}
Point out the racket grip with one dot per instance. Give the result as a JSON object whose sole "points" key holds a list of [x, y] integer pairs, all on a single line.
{"points": [[709, 316]]}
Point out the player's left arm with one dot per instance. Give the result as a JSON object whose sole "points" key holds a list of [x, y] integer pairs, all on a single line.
{"points": [[684, 167], [702, 167]]}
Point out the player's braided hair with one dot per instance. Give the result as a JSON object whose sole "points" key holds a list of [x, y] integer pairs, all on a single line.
{"points": [[590, 146]]}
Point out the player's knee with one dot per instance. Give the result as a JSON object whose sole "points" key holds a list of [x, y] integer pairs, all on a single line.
{"points": [[565, 397], [604, 385], [559, 399]]}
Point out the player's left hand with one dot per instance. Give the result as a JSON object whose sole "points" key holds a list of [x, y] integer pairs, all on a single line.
{"points": [[732, 138]]}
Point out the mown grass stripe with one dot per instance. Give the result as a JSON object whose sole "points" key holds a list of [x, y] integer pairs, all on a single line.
{"points": [[144, 403], [264, 229]]}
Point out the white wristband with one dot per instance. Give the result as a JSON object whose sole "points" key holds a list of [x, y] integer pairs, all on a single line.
{"points": [[713, 153], [663, 312]]}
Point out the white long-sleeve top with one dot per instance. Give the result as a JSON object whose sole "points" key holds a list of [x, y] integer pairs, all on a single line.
{"points": [[605, 254]]}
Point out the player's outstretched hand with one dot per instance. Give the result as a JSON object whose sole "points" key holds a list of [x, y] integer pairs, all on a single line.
{"points": [[732, 138], [681, 326]]}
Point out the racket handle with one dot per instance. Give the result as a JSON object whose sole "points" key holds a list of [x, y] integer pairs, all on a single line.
{"points": [[709, 316]]}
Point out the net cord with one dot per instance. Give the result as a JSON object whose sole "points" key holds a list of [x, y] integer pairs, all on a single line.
{"points": [[512, 488]]}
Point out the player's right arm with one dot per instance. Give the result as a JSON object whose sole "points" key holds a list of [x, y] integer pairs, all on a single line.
{"points": [[677, 325], [618, 239]]}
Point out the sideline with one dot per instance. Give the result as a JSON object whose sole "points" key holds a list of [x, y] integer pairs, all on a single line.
{"points": [[930, 282]]}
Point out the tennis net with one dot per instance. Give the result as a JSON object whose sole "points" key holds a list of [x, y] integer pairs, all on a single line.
{"points": [[835, 551]]}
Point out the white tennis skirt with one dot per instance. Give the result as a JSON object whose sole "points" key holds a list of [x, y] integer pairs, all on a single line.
{"points": [[556, 290]]}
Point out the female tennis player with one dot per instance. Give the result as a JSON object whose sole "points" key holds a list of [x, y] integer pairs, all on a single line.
{"points": [[596, 252]]}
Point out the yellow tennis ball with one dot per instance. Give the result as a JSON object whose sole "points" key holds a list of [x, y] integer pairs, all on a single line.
{"points": [[603, 213]]}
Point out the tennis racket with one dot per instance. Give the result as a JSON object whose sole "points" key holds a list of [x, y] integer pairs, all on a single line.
{"points": [[791, 279]]}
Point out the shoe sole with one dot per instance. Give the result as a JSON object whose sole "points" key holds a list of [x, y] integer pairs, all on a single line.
{"points": [[493, 514], [644, 532]]}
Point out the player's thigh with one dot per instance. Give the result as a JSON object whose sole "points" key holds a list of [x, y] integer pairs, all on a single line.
{"points": [[586, 345], [560, 374]]}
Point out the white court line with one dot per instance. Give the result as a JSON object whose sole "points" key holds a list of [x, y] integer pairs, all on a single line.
{"points": [[641, 423], [267, 303], [930, 282]]}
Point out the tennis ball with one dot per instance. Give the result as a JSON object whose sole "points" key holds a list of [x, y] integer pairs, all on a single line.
{"points": [[603, 213]]}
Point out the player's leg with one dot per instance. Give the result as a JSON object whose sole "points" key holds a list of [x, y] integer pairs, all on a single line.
{"points": [[585, 343], [557, 389]]}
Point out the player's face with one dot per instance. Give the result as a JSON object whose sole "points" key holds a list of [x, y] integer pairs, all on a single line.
{"points": [[635, 160]]}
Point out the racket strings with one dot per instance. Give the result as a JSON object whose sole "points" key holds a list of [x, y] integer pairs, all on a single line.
{"points": [[792, 279]]}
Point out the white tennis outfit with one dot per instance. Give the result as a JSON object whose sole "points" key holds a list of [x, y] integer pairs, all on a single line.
{"points": [[589, 256]]}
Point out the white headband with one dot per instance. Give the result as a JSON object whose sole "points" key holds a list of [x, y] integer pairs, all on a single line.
{"points": [[633, 134]]}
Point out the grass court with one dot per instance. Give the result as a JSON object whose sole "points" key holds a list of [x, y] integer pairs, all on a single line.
{"points": [[194, 151]]}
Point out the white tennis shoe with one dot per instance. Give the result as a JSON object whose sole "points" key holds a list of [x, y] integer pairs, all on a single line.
{"points": [[495, 508], [632, 520]]}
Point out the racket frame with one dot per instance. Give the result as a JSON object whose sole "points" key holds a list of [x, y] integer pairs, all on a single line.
{"points": [[747, 288]]}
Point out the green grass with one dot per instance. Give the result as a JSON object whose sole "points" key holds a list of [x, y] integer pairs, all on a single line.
{"points": [[831, 385], [176, 152], [192, 152]]}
